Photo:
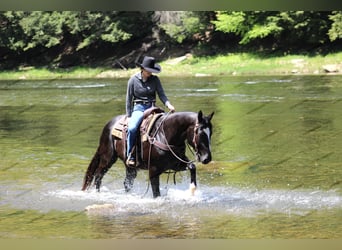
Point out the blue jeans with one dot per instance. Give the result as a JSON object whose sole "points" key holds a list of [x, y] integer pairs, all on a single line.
{"points": [[134, 123]]}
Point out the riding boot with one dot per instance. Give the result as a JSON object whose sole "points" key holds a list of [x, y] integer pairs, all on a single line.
{"points": [[130, 161], [131, 158]]}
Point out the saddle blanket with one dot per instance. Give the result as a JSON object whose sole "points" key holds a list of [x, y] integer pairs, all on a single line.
{"points": [[119, 127]]}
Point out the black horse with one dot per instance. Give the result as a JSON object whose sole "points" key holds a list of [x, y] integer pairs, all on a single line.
{"points": [[164, 151]]}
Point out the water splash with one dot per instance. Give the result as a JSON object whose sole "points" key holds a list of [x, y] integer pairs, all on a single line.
{"points": [[231, 200]]}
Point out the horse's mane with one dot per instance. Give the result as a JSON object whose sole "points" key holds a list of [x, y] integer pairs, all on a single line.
{"points": [[176, 124], [184, 116]]}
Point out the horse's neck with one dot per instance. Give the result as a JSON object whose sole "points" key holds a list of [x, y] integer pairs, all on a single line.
{"points": [[180, 127]]}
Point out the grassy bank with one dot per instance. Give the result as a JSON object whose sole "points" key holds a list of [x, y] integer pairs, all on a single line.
{"points": [[225, 65]]}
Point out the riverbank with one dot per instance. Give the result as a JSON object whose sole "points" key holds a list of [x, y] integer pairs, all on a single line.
{"points": [[192, 66]]}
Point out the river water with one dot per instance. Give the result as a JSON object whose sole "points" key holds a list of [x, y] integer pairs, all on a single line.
{"points": [[276, 170]]}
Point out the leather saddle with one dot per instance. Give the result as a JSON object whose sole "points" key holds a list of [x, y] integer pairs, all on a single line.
{"points": [[151, 115]]}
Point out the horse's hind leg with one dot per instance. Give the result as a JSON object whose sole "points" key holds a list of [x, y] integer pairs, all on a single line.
{"points": [[98, 167], [106, 161], [100, 172], [131, 174], [89, 175]]}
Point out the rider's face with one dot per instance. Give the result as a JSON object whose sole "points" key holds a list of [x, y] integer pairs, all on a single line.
{"points": [[146, 74]]}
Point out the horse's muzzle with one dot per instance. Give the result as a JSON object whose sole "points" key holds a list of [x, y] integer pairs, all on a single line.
{"points": [[207, 160], [204, 159]]}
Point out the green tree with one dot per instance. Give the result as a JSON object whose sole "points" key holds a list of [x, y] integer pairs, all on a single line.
{"points": [[248, 25], [29, 30], [11, 34], [42, 29], [335, 32], [111, 27], [92, 27], [304, 28], [181, 26], [289, 28]]}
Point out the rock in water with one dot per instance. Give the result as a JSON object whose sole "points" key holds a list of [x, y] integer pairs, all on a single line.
{"points": [[331, 68], [99, 208]]}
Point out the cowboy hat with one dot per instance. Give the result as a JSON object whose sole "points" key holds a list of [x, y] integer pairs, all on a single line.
{"points": [[149, 64]]}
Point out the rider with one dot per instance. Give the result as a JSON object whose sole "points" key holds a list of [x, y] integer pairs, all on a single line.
{"points": [[141, 95]]}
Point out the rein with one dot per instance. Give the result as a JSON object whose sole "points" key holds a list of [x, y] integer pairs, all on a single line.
{"points": [[167, 146]]}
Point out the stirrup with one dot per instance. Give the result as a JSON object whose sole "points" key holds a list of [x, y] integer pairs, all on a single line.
{"points": [[130, 162]]}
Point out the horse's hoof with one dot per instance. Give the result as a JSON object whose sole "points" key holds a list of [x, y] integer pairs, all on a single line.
{"points": [[192, 189]]}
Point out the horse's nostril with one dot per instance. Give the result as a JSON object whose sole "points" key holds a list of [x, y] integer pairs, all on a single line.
{"points": [[206, 160]]}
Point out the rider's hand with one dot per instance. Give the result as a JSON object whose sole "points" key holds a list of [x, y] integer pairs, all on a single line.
{"points": [[171, 108]]}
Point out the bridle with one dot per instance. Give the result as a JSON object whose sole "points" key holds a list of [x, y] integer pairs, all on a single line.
{"points": [[169, 147], [195, 137]]}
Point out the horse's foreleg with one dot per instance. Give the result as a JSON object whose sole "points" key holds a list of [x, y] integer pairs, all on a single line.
{"points": [[193, 184], [154, 180], [155, 186], [192, 168], [131, 174]]}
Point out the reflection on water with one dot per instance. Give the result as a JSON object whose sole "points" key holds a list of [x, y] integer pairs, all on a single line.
{"points": [[276, 171]]}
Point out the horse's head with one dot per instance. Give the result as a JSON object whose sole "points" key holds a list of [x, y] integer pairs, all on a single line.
{"points": [[202, 137]]}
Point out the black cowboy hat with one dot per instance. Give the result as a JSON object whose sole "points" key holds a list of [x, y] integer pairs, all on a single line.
{"points": [[149, 64]]}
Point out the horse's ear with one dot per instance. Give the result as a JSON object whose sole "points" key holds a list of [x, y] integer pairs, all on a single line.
{"points": [[200, 116], [211, 115]]}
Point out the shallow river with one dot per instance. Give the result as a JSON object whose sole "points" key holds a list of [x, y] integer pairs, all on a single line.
{"points": [[276, 170]]}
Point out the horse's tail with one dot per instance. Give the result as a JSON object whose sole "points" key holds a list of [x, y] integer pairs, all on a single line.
{"points": [[103, 158], [89, 175]]}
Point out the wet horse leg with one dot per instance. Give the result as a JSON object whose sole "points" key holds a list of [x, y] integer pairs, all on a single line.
{"points": [[131, 174], [192, 168], [104, 166], [154, 174], [155, 186], [108, 157]]}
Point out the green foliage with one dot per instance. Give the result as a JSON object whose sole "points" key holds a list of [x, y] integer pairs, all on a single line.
{"points": [[261, 31], [11, 34], [181, 25], [26, 33], [304, 27], [92, 27], [335, 32], [289, 27], [248, 25], [42, 28], [29, 30], [230, 22]]}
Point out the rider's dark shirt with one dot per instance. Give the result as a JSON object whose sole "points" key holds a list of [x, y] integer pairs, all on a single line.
{"points": [[144, 91]]}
